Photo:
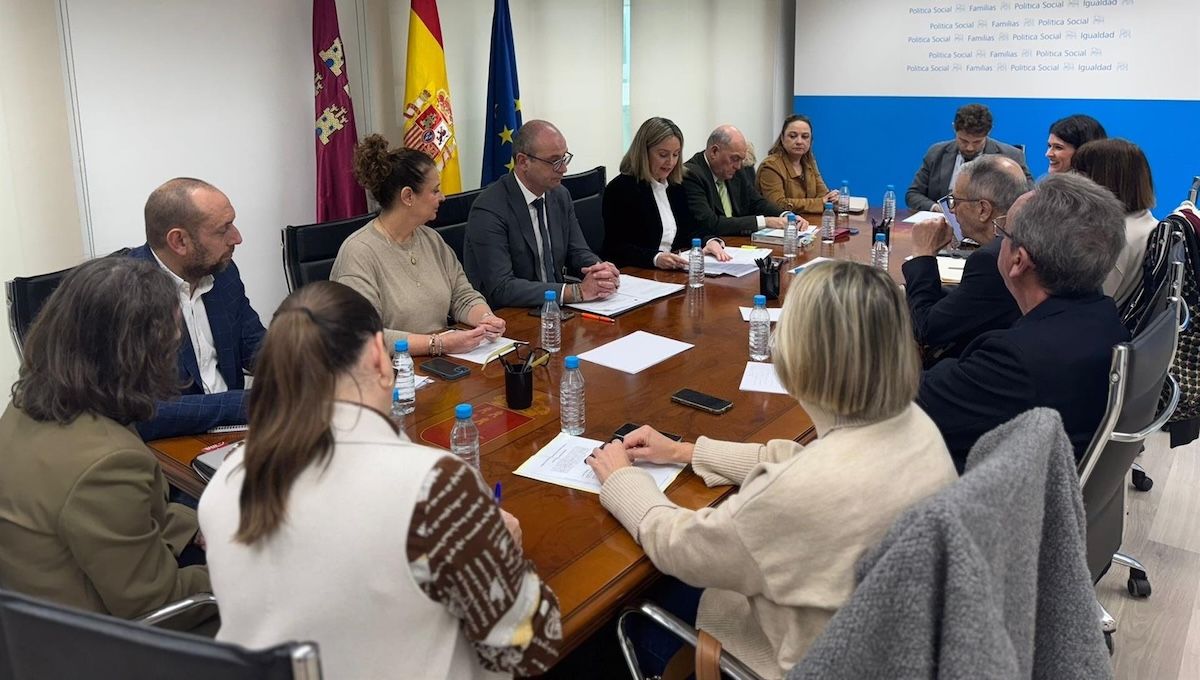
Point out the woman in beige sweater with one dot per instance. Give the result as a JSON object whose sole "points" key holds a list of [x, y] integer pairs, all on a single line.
{"points": [[776, 559], [403, 267]]}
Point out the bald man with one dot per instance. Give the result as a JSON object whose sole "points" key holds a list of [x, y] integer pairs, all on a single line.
{"points": [[722, 200], [947, 320], [522, 237]]}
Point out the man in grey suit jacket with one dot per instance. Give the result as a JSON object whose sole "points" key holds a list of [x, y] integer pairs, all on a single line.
{"points": [[722, 200], [972, 123], [522, 238]]}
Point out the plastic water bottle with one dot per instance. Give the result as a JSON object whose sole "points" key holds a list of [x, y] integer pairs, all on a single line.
{"points": [[551, 323], [464, 437], [844, 198], [889, 203], [791, 235], [828, 221], [570, 395], [760, 330], [404, 395], [696, 265], [879, 252]]}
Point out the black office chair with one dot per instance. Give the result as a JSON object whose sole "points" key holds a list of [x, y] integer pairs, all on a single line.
{"points": [[310, 249], [41, 640], [587, 194], [455, 209], [1138, 372], [25, 296]]}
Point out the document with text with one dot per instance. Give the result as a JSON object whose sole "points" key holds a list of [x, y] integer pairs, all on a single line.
{"points": [[741, 265], [633, 292], [563, 462]]}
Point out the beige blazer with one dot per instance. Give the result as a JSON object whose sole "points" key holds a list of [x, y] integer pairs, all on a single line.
{"points": [[84, 518]]}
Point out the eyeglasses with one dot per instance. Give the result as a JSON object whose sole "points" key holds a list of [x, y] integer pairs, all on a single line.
{"points": [[998, 227], [558, 164], [952, 200]]}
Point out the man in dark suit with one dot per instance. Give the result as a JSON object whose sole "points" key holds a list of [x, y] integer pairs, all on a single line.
{"points": [[946, 320], [722, 200], [1059, 242], [190, 234], [944, 160], [522, 238]]}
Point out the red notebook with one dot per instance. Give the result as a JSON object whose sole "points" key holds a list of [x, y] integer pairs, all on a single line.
{"points": [[493, 421]]}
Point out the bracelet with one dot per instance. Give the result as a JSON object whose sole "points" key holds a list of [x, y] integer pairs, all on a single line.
{"points": [[431, 350], [577, 291]]}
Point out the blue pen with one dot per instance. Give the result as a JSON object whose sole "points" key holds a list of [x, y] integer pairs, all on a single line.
{"points": [[496, 493]]}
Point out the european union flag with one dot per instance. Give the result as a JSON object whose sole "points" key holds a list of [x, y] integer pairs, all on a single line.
{"points": [[503, 98]]}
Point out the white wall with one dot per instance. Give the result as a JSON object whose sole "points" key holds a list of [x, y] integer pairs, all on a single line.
{"points": [[39, 218]]}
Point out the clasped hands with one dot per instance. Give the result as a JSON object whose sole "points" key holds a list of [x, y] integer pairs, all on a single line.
{"points": [[643, 444], [600, 280]]}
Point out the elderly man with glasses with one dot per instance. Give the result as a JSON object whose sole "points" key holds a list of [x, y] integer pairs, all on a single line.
{"points": [[722, 199], [522, 237], [946, 320], [1058, 244]]}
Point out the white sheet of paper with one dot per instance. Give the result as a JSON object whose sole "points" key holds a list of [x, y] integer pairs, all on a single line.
{"points": [[634, 291], [806, 265], [760, 377], [736, 269], [921, 216], [773, 311], [420, 381], [635, 352], [480, 353], [951, 269], [741, 255], [561, 462]]}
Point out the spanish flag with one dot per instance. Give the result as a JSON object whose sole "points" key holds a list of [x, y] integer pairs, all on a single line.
{"points": [[428, 118]]}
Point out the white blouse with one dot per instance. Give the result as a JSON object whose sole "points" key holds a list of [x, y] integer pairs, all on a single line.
{"points": [[664, 213]]}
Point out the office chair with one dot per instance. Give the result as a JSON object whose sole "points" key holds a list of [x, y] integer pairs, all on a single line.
{"points": [[587, 195], [41, 640], [711, 660], [310, 249], [1138, 372]]}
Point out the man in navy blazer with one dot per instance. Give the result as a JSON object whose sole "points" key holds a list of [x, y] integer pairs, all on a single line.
{"points": [[1059, 243], [522, 237], [947, 320], [944, 160], [723, 200], [190, 234]]}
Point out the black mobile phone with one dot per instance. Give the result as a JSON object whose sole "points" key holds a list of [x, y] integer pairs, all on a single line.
{"points": [[564, 314], [704, 402], [446, 370], [630, 427]]}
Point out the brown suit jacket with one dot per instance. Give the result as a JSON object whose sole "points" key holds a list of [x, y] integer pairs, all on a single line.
{"points": [[84, 518], [798, 193]]}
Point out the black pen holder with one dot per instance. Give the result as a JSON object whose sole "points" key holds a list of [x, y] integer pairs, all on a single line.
{"points": [[518, 387], [768, 283], [886, 230]]}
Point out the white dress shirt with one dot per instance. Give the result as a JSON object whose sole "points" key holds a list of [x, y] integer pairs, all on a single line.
{"points": [[195, 317], [669, 228], [530, 197]]}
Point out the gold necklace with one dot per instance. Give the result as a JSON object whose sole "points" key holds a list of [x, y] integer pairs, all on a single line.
{"points": [[407, 249]]}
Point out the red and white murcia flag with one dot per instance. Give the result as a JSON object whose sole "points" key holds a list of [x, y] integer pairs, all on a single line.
{"points": [[338, 194]]}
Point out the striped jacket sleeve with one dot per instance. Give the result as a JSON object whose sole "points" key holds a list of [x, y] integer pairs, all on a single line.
{"points": [[463, 557]]}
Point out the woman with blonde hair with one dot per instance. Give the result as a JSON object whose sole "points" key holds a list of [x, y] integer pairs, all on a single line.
{"points": [[646, 218], [331, 525], [789, 176], [776, 559], [403, 267]]}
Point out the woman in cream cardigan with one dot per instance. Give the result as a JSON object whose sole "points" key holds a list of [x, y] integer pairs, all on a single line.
{"points": [[789, 176], [776, 559]]}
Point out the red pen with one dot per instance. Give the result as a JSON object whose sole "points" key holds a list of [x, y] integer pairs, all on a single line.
{"points": [[597, 317], [213, 447]]}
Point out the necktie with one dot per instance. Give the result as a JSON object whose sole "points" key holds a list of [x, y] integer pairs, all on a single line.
{"points": [[723, 192], [548, 275]]}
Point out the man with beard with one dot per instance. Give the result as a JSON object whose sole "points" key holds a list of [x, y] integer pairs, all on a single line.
{"points": [[939, 169], [191, 235]]}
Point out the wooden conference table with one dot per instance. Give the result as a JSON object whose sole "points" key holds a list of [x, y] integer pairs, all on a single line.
{"points": [[589, 560]]}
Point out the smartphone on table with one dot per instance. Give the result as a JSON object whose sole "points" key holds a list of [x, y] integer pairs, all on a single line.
{"points": [[702, 401], [630, 427], [446, 370]]}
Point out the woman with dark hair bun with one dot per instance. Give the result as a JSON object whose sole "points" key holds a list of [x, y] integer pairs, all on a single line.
{"points": [[404, 268], [84, 519], [1067, 135], [331, 525]]}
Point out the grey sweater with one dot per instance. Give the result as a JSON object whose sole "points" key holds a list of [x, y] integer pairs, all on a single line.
{"points": [[987, 579]]}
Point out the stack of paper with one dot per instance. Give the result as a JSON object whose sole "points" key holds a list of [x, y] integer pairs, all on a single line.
{"points": [[951, 269], [633, 292], [922, 215], [742, 263], [775, 236], [761, 378], [563, 462], [635, 352]]}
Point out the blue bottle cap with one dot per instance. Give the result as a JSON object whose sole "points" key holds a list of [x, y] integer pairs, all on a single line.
{"points": [[891, 187], [463, 411], [845, 182], [760, 300], [695, 243], [396, 394], [571, 361], [881, 238], [551, 296], [401, 345], [828, 205]]}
